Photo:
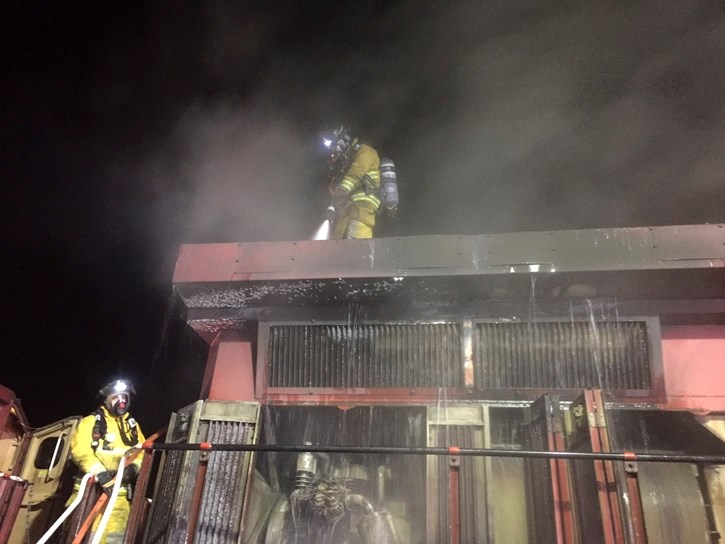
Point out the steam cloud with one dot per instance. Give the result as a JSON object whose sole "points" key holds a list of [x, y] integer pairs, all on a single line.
{"points": [[499, 117]]}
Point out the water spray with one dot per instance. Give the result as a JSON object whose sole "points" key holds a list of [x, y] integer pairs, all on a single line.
{"points": [[322, 233]]}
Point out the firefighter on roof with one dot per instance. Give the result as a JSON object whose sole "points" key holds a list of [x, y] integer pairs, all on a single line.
{"points": [[99, 444], [355, 174]]}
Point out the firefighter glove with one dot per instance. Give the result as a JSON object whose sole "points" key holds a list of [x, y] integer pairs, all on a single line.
{"points": [[129, 474], [105, 480]]}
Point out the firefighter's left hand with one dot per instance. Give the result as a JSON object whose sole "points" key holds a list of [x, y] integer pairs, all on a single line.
{"points": [[105, 480], [129, 474]]}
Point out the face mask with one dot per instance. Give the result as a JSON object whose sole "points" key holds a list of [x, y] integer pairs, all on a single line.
{"points": [[118, 404]]}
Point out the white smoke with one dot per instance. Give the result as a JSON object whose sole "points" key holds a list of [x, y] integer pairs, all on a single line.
{"points": [[500, 117]]}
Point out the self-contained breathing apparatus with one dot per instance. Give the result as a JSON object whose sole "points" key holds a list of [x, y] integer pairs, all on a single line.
{"points": [[389, 198], [100, 429], [343, 147], [129, 436]]}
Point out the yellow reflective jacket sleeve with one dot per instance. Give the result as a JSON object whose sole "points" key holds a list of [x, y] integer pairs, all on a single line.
{"points": [[365, 160]]}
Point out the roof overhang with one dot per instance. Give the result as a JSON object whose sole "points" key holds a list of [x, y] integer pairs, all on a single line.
{"points": [[677, 272]]}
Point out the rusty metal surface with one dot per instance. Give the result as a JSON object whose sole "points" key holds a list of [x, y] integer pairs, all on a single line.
{"points": [[10, 410], [12, 492], [677, 272]]}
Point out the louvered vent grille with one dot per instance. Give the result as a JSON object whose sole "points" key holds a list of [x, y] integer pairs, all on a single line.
{"points": [[568, 355], [225, 475], [365, 355], [221, 507], [160, 525], [542, 354]]}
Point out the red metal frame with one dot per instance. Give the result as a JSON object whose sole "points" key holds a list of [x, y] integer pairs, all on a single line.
{"points": [[12, 491], [197, 495], [332, 396], [694, 373], [561, 490], [9, 403], [454, 499], [139, 504], [229, 373], [635, 502], [604, 470], [95, 511], [137, 516], [14, 421]]}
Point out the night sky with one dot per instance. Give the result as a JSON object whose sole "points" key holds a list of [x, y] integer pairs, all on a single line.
{"points": [[131, 128]]}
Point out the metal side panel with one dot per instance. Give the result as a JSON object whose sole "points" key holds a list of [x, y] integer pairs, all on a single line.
{"points": [[506, 478], [227, 473], [45, 469], [220, 501], [463, 426], [173, 475]]}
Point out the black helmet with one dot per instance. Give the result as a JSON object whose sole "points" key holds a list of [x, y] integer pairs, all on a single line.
{"points": [[117, 386], [117, 396], [341, 144]]}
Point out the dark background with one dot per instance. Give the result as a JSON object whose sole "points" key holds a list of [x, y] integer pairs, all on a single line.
{"points": [[130, 128]]}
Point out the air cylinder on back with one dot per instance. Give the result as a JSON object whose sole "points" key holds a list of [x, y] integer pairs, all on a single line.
{"points": [[389, 187]]}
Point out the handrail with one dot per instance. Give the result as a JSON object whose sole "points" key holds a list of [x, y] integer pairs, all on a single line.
{"points": [[129, 457], [626, 456], [12, 477], [53, 528]]}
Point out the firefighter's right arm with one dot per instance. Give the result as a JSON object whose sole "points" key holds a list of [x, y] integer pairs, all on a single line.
{"points": [[81, 450]]}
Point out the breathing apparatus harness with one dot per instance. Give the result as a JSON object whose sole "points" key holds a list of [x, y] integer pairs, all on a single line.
{"points": [[387, 191], [100, 428]]}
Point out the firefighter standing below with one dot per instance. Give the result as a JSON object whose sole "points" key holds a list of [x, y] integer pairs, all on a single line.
{"points": [[99, 444], [354, 184]]}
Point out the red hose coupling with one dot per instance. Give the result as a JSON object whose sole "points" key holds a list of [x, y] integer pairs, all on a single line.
{"points": [[148, 445], [205, 446], [454, 450], [630, 456]]}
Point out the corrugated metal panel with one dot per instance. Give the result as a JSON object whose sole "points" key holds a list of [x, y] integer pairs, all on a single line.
{"points": [[225, 476], [223, 497], [611, 355], [161, 517], [365, 355], [566, 355]]}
